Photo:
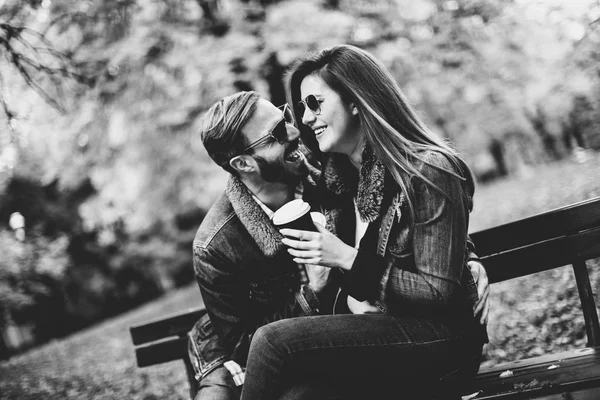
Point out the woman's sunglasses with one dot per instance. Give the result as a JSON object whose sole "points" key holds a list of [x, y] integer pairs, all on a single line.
{"points": [[312, 103], [279, 132]]}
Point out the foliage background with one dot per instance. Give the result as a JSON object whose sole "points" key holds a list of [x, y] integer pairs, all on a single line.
{"points": [[99, 150]]}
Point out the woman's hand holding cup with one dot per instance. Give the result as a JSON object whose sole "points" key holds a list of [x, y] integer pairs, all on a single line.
{"points": [[321, 248], [309, 241]]}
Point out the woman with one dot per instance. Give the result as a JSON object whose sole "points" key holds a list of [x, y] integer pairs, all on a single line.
{"points": [[411, 322]]}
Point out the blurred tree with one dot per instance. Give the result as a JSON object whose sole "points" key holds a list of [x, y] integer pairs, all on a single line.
{"points": [[44, 68], [217, 20]]}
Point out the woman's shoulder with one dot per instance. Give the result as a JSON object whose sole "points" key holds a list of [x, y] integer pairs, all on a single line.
{"points": [[445, 170], [433, 161]]}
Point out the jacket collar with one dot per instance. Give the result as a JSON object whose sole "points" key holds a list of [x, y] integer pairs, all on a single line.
{"points": [[254, 219], [371, 185], [367, 186]]}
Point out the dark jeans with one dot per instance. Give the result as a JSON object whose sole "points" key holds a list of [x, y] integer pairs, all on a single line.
{"points": [[360, 354]]}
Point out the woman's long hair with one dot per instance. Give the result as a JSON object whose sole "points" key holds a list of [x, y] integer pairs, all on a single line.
{"points": [[393, 129]]}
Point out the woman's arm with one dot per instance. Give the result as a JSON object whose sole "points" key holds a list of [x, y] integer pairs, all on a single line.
{"points": [[438, 242]]}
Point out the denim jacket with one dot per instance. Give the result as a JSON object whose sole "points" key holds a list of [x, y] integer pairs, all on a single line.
{"points": [[246, 278], [421, 268]]}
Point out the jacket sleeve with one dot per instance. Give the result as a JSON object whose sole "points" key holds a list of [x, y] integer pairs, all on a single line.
{"points": [[439, 239], [225, 291]]}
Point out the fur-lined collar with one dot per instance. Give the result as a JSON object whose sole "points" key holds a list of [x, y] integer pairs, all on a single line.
{"points": [[370, 186], [367, 186], [254, 219]]}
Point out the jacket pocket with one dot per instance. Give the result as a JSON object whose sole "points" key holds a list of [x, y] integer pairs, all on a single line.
{"points": [[204, 350], [259, 293]]}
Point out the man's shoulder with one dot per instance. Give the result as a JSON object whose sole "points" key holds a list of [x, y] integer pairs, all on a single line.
{"points": [[218, 217]]}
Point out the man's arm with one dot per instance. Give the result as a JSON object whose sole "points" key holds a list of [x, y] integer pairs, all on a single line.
{"points": [[225, 291], [481, 309]]}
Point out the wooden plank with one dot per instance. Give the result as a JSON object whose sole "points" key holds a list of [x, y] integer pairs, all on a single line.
{"points": [[588, 305], [161, 328], [555, 223], [161, 352], [581, 394], [585, 394], [543, 256], [546, 359], [540, 376]]}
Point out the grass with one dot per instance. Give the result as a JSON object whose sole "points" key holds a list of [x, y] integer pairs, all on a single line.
{"points": [[98, 363], [538, 313]]}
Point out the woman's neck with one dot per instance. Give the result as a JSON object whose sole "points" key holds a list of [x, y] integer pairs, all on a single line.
{"points": [[357, 153]]}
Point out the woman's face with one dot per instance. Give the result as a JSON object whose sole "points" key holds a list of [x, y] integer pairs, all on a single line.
{"points": [[336, 127]]}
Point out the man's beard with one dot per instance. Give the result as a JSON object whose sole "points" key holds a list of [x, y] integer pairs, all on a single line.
{"points": [[279, 171]]}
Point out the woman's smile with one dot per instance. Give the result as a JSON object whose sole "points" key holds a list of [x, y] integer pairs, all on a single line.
{"points": [[319, 131], [333, 124]]}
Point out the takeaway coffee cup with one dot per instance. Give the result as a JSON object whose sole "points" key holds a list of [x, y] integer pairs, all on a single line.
{"points": [[296, 215]]}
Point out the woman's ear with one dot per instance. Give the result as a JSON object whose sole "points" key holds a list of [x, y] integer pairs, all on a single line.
{"points": [[241, 163]]}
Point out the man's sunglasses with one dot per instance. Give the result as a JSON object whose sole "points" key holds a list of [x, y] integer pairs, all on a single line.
{"points": [[312, 103], [279, 132]]}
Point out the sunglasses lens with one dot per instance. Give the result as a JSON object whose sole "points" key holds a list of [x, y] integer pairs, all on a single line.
{"points": [[312, 103], [280, 132]]}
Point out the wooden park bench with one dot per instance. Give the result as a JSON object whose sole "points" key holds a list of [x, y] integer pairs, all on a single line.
{"points": [[568, 235]]}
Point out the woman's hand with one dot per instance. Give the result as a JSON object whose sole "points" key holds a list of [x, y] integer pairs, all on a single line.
{"points": [[361, 307], [321, 248]]}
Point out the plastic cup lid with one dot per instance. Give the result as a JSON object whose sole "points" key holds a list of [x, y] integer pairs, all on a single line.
{"points": [[290, 211]]}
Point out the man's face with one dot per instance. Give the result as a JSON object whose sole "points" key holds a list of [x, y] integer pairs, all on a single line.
{"points": [[277, 162]]}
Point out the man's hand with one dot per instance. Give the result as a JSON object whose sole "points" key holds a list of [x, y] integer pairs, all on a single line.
{"points": [[318, 276], [481, 310]]}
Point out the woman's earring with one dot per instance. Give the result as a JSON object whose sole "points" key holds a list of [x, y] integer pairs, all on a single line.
{"points": [[354, 110]]}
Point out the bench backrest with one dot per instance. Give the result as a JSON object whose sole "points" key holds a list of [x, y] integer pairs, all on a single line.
{"points": [[568, 235], [164, 339]]}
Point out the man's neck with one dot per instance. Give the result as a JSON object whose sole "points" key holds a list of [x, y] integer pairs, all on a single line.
{"points": [[272, 194]]}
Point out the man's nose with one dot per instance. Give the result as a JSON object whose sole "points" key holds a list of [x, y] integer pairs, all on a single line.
{"points": [[308, 117], [292, 132]]}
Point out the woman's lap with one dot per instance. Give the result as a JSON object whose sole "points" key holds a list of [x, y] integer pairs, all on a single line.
{"points": [[358, 350]]}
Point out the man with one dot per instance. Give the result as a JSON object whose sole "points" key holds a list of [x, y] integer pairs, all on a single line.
{"points": [[245, 274]]}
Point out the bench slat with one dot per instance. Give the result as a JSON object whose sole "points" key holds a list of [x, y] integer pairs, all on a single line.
{"points": [[161, 352], [575, 371], [160, 328], [546, 359], [578, 394], [560, 222], [542, 256]]}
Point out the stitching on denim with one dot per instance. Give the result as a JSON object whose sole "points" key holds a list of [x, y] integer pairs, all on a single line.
{"points": [[205, 243], [378, 344]]}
